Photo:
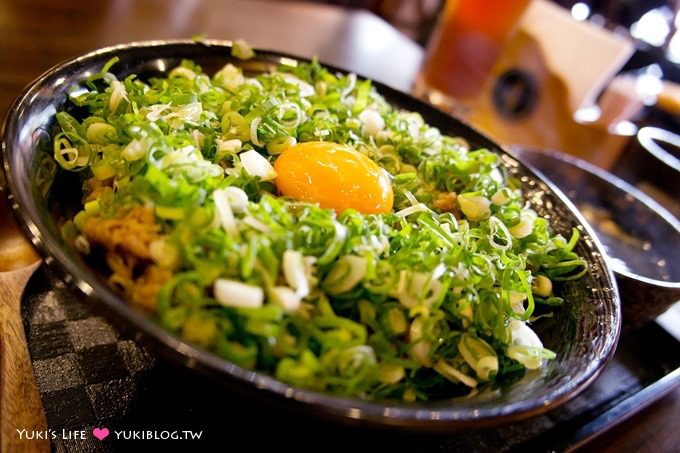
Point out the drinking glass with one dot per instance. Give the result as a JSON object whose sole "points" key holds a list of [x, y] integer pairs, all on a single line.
{"points": [[468, 39]]}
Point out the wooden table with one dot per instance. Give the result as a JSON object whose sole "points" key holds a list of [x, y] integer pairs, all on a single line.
{"points": [[37, 34]]}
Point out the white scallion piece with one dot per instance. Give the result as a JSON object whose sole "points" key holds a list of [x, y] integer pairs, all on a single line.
{"points": [[231, 293], [255, 83], [420, 207], [352, 81], [321, 133], [238, 199], [183, 72], [285, 297], [486, 366], [242, 50], [294, 272], [421, 349], [101, 133], [347, 272], [516, 300], [411, 198], [498, 228], [496, 175], [229, 77], [226, 147], [199, 138], [525, 345], [118, 93], [289, 114], [136, 149], [475, 207], [479, 355], [524, 227], [306, 89], [418, 288], [257, 165], [453, 375], [501, 197], [522, 334], [256, 224], [371, 123], [253, 132], [279, 145], [156, 111], [225, 213]]}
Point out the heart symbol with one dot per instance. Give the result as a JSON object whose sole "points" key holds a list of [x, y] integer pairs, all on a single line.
{"points": [[100, 433]]}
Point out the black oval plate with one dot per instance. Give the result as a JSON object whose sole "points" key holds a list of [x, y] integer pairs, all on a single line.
{"points": [[583, 333]]}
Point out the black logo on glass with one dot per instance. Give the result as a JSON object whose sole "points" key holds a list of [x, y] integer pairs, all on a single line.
{"points": [[515, 94]]}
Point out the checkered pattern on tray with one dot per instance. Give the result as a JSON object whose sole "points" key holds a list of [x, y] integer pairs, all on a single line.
{"points": [[89, 375], [85, 371]]}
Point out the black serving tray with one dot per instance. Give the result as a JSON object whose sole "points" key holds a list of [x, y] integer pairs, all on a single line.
{"points": [[91, 375]]}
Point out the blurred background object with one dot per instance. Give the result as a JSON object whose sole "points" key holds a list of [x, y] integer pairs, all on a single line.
{"points": [[653, 24], [544, 89], [651, 161], [564, 63], [466, 43], [414, 18], [579, 76]]}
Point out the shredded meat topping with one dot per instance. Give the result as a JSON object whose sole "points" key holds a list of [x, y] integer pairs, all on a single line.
{"points": [[131, 233], [126, 240], [145, 290], [446, 202]]}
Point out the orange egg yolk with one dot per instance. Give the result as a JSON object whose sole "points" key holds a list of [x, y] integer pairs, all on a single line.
{"points": [[334, 176]]}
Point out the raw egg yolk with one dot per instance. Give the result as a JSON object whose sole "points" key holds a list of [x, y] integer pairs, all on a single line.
{"points": [[334, 176]]}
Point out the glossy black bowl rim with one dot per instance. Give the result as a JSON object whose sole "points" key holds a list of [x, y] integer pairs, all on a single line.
{"points": [[435, 416], [640, 197]]}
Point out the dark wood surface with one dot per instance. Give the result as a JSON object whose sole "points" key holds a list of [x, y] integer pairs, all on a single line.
{"points": [[37, 34]]}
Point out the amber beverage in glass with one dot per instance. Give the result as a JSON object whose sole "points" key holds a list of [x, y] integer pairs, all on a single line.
{"points": [[468, 39]]}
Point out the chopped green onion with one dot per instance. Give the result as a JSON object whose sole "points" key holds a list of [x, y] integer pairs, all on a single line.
{"points": [[232, 293], [347, 272], [453, 374], [479, 355], [407, 304], [279, 145], [242, 50], [475, 207]]}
